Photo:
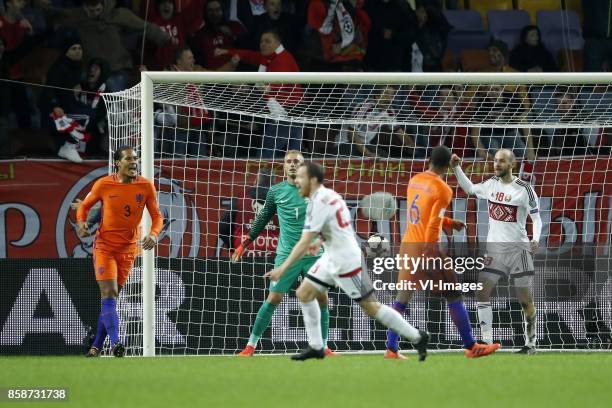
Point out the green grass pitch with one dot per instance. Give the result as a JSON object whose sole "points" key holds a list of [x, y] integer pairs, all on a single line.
{"points": [[445, 379]]}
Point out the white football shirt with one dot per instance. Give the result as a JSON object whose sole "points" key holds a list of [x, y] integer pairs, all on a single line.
{"points": [[508, 204], [328, 215]]}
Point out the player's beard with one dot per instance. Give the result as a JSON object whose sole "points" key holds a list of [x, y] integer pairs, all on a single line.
{"points": [[503, 173]]}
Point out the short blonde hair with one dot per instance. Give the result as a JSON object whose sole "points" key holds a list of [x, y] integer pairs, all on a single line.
{"points": [[297, 152]]}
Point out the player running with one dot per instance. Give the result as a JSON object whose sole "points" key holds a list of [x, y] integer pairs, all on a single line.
{"points": [[329, 218], [509, 251], [428, 198], [283, 199], [124, 196]]}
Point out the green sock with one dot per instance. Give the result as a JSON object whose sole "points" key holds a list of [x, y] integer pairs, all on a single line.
{"points": [[324, 324], [262, 321]]}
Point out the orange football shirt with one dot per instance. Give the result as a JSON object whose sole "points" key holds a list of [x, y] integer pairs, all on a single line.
{"points": [[122, 208], [428, 197]]}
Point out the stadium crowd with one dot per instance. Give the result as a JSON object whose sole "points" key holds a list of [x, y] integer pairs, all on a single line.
{"points": [[80, 49]]}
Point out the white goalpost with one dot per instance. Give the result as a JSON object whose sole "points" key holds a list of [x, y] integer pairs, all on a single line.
{"points": [[213, 143]]}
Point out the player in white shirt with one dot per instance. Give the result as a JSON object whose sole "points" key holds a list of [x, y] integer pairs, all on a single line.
{"points": [[509, 250], [328, 222]]}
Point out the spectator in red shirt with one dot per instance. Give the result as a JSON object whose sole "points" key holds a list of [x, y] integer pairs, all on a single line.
{"points": [[218, 32], [14, 28], [272, 57], [343, 30], [16, 32], [178, 25], [279, 136]]}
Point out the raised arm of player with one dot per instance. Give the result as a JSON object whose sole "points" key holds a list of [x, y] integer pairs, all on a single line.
{"points": [[90, 200], [157, 220], [464, 182], [262, 219]]}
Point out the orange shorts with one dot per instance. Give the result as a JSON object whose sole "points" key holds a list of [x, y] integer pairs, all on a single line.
{"points": [[435, 274], [112, 266]]}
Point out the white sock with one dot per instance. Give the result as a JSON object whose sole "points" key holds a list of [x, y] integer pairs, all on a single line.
{"points": [[485, 317], [530, 330], [394, 321], [312, 321]]}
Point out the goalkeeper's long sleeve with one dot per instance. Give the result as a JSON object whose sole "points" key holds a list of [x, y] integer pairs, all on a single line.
{"points": [[264, 216], [537, 226], [465, 183]]}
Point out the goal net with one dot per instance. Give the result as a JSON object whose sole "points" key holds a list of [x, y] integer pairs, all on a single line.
{"points": [[214, 143]]}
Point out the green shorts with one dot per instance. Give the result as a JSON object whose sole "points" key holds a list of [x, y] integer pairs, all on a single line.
{"points": [[288, 280]]}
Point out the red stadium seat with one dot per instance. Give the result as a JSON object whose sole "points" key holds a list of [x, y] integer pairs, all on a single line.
{"points": [[475, 60]]}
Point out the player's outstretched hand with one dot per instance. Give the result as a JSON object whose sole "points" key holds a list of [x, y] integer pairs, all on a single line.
{"points": [[149, 242], [82, 229], [533, 245], [274, 274], [455, 161], [457, 225], [240, 250]]}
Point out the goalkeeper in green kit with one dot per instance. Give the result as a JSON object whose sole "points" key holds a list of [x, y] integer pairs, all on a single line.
{"points": [[283, 199]]}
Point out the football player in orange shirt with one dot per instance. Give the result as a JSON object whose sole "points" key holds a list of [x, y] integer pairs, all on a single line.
{"points": [[428, 197], [124, 195]]}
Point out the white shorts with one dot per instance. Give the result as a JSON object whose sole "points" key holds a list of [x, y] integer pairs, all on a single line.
{"points": [[516, 265], [348, 276]]}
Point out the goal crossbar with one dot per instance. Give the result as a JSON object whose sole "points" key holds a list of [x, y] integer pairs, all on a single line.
{"points": [[420, 78]]}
